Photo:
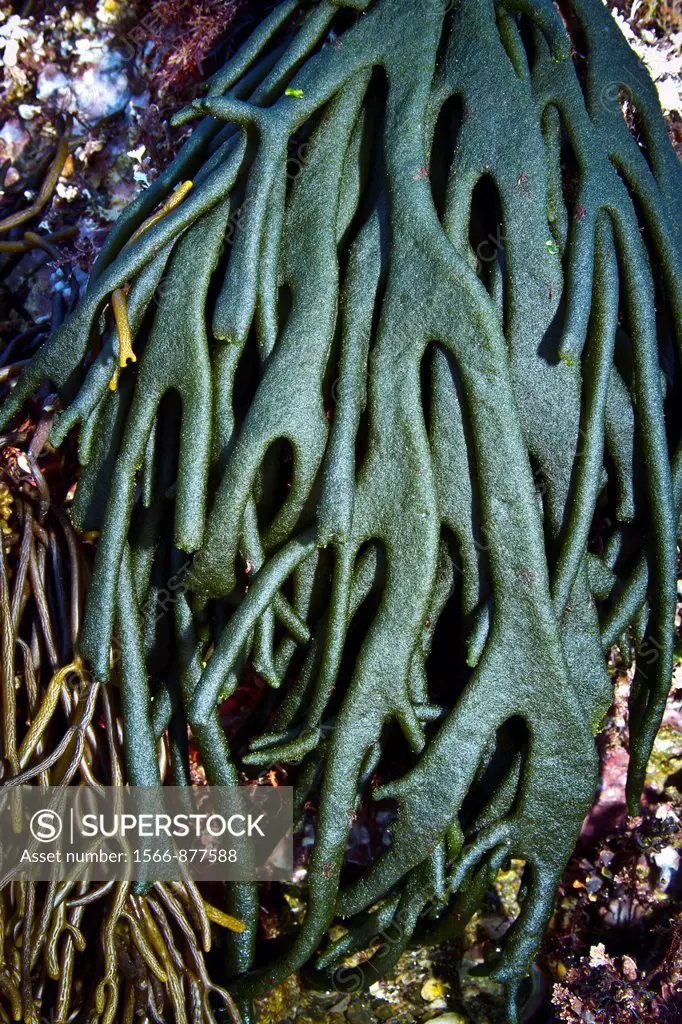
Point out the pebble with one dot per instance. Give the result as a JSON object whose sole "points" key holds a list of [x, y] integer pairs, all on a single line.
{"points": [[13, 139], [95, 91], [432, 989], [50, 80], [102, 90]]}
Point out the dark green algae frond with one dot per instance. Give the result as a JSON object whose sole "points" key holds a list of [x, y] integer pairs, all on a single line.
{"points": [[411, 402]]}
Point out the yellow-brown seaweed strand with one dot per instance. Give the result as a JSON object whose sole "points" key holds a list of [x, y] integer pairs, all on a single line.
{"points": [[118, 298], [9, 700], [106, 996], [47, 188]]}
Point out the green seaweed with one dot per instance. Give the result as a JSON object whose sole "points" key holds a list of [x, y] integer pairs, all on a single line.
{"points": [[462, 318]]}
